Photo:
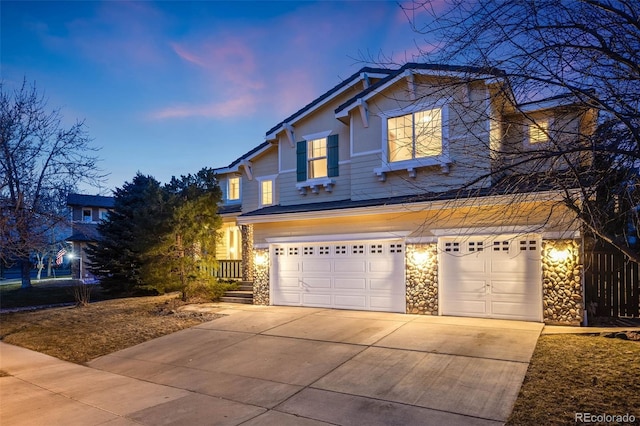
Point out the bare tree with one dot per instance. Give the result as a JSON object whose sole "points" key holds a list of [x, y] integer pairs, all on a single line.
{"points": [[585, 56], [39, 159]]}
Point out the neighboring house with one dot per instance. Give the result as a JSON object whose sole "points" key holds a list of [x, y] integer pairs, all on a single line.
{"points": [[86, 213], [354, 202]]}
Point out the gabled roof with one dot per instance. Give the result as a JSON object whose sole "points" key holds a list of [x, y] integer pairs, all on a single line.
{"points": [[90, 200], [84, 232], [348, 82], [431, 69]]}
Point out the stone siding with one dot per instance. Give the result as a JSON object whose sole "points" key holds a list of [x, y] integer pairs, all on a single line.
{"points": [[246, 232], [562, 282], [261, 277], [422, 279]]}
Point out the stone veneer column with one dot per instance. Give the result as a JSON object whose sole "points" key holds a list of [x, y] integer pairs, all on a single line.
{"points": [[422, 278], [562, 283], [261, 277], [246, 232]]}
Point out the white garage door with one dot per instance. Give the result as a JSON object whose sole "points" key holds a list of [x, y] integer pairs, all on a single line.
{"points": [[364, 275], [492, 277]]}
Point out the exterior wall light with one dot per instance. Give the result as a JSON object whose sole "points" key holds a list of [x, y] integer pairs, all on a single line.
{"points": [[559, 255], [261, 259], [420, 257]]}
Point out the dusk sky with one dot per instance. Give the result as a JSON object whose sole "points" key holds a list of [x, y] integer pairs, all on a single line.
{"points": [[167, 88]]}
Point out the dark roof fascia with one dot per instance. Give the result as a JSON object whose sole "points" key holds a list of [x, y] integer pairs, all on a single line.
{"points": [[84, 232], [333, 91], [232, 208], [563, 99], [233, 167], [375, 202], [90, 200], [483, 72]]}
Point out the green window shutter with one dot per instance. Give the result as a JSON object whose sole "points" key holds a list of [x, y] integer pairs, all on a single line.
{"points": [[332, 155], [301, 166]]}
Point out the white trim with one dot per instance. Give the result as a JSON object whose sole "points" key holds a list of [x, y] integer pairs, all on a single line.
{"points": [[562, 235], [261, 179], [315, 184], [287, 171], [261, 246], [435, 73], [443, 160], [487, 230], [318, 135], [361, 154], [236, 168], [344, 162], [400, 235], [421, 240]]}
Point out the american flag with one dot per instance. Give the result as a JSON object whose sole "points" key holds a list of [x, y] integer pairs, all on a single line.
{"points": [[60, 256]]}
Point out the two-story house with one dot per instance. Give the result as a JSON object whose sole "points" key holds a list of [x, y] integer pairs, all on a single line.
{"points": [[381, 195], [86, 213]]}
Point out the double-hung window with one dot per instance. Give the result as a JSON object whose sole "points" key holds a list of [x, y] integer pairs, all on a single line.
{"points": [[266, 192], [233, 189], [538, 132], [317, 158], [415, 135]]}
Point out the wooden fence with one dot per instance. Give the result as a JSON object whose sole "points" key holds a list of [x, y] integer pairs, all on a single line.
{"points": [[229, 269], [612, 284]]}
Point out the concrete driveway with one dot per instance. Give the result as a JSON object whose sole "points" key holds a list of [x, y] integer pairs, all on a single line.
{"points": [[296, 366]]}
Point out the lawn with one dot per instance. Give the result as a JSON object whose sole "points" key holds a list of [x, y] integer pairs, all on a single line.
{"points": [[44, 292], [79, 334], [572, 374], [568, 374]]}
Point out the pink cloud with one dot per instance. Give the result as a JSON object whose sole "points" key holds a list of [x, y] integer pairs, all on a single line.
{"points": [[234, 107], [411, 11]]}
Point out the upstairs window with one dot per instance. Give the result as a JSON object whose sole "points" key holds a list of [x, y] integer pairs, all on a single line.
{"points": [[86, 215], [317, 158], [266, 192], [539, 132], [104, 214], [414, 135], [233, 189]]}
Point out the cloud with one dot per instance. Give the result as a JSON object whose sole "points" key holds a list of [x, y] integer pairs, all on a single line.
{"points": [[234, 107]]}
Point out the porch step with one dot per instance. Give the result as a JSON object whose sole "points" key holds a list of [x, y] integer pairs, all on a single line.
{"points": [[243, 300], [244, 294], [245, 286], [239, 293]]}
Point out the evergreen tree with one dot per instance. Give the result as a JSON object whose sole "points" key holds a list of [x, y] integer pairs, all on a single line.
{"points": [[139, 219], [183, 258]]}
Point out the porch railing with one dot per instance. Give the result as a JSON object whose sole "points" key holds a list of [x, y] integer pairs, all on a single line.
{"points": [[229, 269]]}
